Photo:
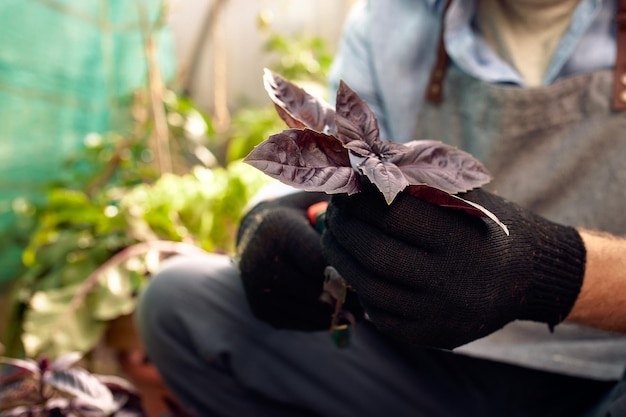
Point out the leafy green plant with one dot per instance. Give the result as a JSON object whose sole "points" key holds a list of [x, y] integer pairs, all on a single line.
{"points": [[300, 57], [90, 256], [249, 127], [115, 213], [105, 227]]}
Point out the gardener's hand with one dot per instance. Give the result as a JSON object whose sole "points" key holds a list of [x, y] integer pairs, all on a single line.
{"points": [[434, 276], [281, 263]]}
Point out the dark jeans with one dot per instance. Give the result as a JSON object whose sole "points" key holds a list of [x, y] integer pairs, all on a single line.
{"points": [[220, 360]]}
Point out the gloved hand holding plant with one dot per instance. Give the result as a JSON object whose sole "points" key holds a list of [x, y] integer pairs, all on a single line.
{"points": [[405, 231]]}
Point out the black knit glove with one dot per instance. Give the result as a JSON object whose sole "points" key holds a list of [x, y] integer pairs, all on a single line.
{"points": [[281, 263], [433, 276]]}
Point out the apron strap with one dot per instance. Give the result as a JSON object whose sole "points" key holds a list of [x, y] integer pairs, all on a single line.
{"points": [[619, 73], [434, 89]]}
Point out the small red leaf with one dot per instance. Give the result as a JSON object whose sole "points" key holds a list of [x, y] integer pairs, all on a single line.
{"points": [[306, 159], [444, 199]]}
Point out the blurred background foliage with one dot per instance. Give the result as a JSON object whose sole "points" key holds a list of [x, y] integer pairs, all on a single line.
{"points": [[164, 180]]}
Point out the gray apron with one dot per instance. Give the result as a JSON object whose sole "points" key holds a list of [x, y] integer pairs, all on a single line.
{"points": [[559, 151]]}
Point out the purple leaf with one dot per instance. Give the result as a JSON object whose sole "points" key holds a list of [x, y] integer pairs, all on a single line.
{"points": [[387, 177], [308, 160], [19, 383], [28, 365], [298, 108], [355, 120], [438, 165], [83, 386]]}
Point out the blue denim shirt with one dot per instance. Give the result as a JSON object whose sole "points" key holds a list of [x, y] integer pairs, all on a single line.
{"points": [[389, 47]]}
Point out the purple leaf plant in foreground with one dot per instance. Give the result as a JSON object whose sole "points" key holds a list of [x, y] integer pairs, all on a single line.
{"points": [[331, 150]]}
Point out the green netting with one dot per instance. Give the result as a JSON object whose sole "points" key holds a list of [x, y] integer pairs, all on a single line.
{"points": [[67, 68]]}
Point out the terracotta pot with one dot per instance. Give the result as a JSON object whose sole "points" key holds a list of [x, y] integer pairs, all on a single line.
{"points": [[121, 334], [122, 338]]}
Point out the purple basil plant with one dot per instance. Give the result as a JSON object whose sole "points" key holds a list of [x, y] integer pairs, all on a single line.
{"points": [[333, 149], [58, 388]]}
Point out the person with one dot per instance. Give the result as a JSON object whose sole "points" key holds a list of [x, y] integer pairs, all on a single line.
{"points": [[454, 317]]}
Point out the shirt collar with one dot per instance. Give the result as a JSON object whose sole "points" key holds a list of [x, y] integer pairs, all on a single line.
{"points": [[439, 3], [468, 51]]}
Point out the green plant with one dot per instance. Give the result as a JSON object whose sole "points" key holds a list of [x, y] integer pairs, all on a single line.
{"points": [[107, 224], [169, 184], [300, 57]]}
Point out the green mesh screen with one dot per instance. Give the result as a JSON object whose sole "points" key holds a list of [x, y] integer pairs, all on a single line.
{"points": [[67, 68]]}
